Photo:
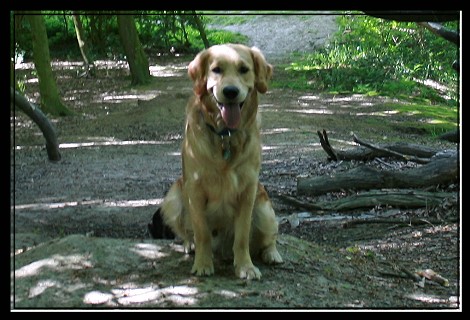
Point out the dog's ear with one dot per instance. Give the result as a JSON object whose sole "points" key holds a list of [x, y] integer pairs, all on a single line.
{"points": [[263, 70], [197, 72]]}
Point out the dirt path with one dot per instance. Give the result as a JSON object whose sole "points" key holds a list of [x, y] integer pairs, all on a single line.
{"points": [[121, 153], [278, 36]]}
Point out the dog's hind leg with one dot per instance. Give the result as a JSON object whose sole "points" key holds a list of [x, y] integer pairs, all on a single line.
{"points": [[264, 229], [174, 216]]}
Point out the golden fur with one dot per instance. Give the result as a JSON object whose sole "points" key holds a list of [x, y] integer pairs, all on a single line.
{"points": [[218, 204]]}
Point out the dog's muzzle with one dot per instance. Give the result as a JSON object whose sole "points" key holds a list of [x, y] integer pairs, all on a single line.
{"points": [[230, 111]]}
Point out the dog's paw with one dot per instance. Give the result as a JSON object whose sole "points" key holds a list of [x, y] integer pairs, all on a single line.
{"points": [[271, 256], [248, 272], [205, 269]]}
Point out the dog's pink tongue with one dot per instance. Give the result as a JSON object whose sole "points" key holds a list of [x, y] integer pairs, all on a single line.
{"points": [[231, 115]]}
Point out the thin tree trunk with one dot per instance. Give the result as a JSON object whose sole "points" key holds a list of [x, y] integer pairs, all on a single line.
{"points": [[136, 57], [50, 99], [201, 30], [81, 39]]}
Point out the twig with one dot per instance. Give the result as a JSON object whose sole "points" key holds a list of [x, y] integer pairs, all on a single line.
{"points": [[326, 145], [411, 275], [383, 162], [391, 152], [297, 203], [392, 221]]}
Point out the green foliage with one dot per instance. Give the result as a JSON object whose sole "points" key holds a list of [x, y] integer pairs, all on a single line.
{"points": [[375, 56], [434, 119], [158, 32], [368, 55]]}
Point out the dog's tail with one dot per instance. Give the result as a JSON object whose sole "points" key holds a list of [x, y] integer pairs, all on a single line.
{"points": [[158, 229]]}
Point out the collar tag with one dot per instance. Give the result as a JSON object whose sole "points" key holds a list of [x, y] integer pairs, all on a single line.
{"points": [[226, 153]]}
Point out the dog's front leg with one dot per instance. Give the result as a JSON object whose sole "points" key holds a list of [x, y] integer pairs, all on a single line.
{"points": [[203, 265], [244, 267]]}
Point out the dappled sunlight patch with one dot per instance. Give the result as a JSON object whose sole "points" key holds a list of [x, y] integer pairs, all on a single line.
{"points": [[132, 294], [265, 105], [32, 80], [118, 98], [360, 99], [24, 66], [311, 111], [97, 297], [165, 71], [41, 286], [111, 143], [309, 97], [436, 121], [72, 145], [97, 202], [304, 147], [385, 113], [66, 65], [275, 131], [56, 262], [110, 64], [149, 250], [177, 247], [268, 148], [412, 113], [344, 142], [227, 293], [133, 203], [452, 301]]}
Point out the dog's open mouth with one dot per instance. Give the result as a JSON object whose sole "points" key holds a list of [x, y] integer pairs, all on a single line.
{"points": [[231, 113]]}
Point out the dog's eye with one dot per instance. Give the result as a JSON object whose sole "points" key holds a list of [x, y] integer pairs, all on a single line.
{"points": [[244, 69], [217, 70]]}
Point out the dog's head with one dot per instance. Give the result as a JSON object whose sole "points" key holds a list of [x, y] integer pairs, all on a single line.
{"points": [[228, 74]]}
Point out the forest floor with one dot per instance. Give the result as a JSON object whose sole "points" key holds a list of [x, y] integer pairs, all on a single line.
{"points": [[120, 154]]}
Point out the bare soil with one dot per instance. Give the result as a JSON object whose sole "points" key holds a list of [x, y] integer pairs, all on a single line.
{"points": [[120, 153]]}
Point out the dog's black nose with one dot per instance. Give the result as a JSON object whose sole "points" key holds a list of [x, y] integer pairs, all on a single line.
{"points": [[230, 92]]}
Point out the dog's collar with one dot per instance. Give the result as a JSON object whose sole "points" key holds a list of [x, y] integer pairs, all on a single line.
{"points": [[223, 133], [226, 147]]}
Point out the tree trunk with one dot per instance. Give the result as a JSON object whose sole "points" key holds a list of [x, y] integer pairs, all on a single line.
{"points": [[81, 39], [439, 171], [50, 99], [41, 120], [136, 57], [201, 30]]}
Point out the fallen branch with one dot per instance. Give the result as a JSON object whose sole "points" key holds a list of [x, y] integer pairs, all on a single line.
{"points": [[391, 152], [297, 203], [438, 171], [368, 151], [396, 198], [410, 222]]}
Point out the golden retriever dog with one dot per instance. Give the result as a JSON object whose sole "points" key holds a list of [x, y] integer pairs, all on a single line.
{"points": [[218, 205]]}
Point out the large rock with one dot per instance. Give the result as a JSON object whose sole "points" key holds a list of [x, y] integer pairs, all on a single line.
{"points": [[89, 272]]}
